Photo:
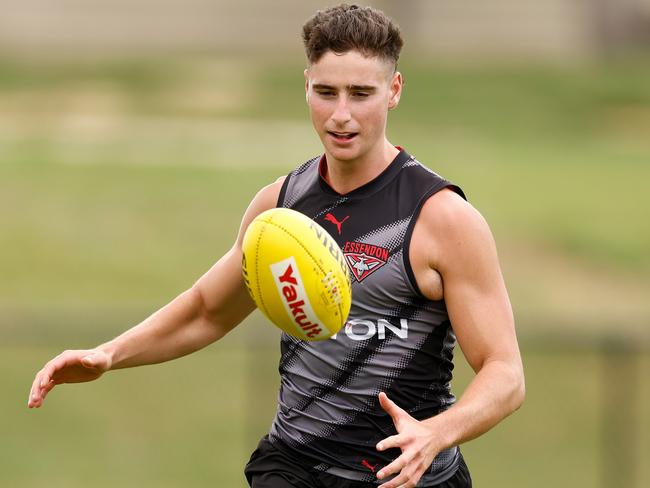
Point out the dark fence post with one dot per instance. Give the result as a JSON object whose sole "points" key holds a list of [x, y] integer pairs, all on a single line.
{"points": [[620, 412]]}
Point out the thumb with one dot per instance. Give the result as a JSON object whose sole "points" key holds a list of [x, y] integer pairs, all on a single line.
{"points": [[89, 361], [390, 407], [93, 360]]}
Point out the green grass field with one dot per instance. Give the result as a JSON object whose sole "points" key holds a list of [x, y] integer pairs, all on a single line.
{"points": [[121, 183]]}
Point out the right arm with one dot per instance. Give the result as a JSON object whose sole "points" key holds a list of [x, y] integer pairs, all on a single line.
{"points": [[206, 312]]}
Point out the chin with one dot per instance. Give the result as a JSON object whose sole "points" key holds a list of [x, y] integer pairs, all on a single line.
{"points": [[344, 153], [346, 157]]}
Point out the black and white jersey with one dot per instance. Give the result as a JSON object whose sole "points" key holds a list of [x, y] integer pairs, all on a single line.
{"points": [[395, 339]]}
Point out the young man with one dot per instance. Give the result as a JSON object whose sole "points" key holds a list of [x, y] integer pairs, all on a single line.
{"points": [[371, 406]]}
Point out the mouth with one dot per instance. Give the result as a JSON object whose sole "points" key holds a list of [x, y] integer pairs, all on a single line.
{"points": [[342, 136]]}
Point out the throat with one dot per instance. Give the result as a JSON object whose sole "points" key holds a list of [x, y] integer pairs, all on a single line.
{"points": [[346, 176]]}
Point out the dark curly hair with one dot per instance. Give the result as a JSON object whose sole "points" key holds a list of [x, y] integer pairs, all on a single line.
{"points": [[350, 27]]}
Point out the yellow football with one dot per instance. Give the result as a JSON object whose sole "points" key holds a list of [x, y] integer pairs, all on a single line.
{"points": [[296, 274]]}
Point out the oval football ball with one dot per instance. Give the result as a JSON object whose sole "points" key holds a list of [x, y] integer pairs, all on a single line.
{"points": [[296, 274]]}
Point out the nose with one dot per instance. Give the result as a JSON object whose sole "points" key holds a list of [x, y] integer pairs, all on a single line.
{"points": [[341, 114]]}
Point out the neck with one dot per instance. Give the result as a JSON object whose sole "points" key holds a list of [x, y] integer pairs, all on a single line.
{"points": [[345, 176]]}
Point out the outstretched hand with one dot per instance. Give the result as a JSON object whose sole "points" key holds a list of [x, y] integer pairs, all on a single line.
{"points": [[68, 367], [417, 442]]}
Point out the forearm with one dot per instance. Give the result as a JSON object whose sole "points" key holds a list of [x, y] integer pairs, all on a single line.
{"points": [[179, 328], [495, 392]]}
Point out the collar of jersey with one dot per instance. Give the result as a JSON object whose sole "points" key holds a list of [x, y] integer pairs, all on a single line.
{"points": [[374, 185]]}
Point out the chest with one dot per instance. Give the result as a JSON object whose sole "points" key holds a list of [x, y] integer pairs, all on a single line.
{"points": [[374, 226]]}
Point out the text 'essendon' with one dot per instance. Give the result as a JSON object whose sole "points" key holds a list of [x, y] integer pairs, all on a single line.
{"points": [[367, 249]]}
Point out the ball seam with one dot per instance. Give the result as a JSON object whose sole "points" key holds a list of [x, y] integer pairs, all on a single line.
{"points": [[257, 271]]}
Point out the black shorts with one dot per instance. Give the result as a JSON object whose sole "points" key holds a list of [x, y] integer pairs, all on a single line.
{"points": [[270, 467]]}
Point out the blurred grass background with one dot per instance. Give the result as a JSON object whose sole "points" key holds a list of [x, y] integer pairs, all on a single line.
{"points": [[123, 180]]}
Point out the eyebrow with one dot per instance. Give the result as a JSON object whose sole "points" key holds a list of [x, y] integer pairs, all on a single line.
{"points": [[322, 86]]}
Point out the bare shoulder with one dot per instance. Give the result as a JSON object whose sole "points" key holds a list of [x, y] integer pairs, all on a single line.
{"points": [[268, 195], [451, 232], [448, 211], [265, 199]]}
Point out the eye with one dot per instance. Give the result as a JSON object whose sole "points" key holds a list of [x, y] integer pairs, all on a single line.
{"points": [[326, 93], [360, 94]]}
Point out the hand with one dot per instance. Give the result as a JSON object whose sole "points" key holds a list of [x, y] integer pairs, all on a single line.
{"points": [[68, 367], [415, 439]]}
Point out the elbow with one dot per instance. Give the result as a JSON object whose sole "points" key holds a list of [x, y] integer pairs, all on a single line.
{"points": [[197, 301], [213, 319], [202, 313], [518, 394]]}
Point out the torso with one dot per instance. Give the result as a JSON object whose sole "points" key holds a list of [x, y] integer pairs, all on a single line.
{"points": [[398, 338]]}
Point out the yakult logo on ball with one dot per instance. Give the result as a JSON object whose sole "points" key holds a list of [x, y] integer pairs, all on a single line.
{"points": [[295, 299]]}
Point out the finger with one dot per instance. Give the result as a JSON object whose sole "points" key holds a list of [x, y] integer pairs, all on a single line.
{"points": [[32, 400], [406, 478], [44, 376], [45, 393], [397, 482], [35, 390], [47, 388], [395, 467], [390, 407], [43, 379], [415, 477], [392, 441], [50, 370]]}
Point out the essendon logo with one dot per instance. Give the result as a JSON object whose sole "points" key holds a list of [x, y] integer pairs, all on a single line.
{"points": [[295, 299], [364, 259]]}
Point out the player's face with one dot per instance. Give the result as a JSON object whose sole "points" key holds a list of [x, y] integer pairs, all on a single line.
{"points": [[349, 96]]}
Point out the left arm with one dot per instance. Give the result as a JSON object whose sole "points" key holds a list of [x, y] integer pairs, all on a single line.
{"points": [[464, 254]]}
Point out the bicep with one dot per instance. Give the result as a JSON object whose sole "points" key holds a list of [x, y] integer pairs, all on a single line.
{"points": [[475, 293], [225, 299]]}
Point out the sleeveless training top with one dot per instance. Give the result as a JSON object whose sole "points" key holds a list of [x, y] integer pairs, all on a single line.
{"points": [[395, 339]]}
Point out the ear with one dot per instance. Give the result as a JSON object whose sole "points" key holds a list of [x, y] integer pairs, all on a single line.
{"points": [[396, 84], [307, 90]]}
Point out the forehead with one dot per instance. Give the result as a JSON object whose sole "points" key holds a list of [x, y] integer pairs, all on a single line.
{"points": [[349, 68]]}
